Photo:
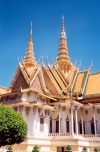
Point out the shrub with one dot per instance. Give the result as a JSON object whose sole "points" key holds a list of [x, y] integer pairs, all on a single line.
{"points": [[13, 128], [68, 148], [35, 149]]}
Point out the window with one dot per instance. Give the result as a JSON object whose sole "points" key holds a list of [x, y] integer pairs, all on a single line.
{"points": [[57, 126], [67, 126], [41, 124], [50, 126], [80, 127], [92, 128], [84, 127]]}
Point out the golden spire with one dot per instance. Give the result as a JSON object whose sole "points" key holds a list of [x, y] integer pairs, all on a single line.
{"points": [[63, 59], [29, 60]]}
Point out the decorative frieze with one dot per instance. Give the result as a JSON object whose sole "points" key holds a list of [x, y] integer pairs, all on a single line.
{"points": [[21, 107], [48, 112], [15, 108], [86, 112], [59, 107], [28, 94], [63, 108], [35, 108], [27, 110], [98, 111], [67, 119]]}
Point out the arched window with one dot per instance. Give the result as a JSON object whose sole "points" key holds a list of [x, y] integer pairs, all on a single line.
{"points": [[41, 124], [67, 124], [50, 126]]}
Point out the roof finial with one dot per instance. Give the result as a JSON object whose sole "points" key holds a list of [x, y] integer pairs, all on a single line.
{"points": [[79, 65], [91, 65], [42, 59], [62, 16], [63, 30], [31, 27], [47, 60]]}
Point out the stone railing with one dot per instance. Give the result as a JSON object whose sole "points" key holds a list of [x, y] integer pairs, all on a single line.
{"points": [[72, 135], [91, 135], [59, 134]]}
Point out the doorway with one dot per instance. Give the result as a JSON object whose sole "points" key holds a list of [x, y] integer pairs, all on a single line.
{"points": [[60, 149]]}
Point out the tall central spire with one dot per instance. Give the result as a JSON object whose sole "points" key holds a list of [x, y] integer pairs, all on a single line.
{"points": [[29, 60], [63, 59]]}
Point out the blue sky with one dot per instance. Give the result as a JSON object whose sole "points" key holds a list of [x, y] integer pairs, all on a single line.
{"points": [[82, 26]]}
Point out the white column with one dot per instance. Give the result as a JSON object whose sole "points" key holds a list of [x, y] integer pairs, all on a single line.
{"points": [[72, 129], [82, 121], [76, 111], [94, 121]]}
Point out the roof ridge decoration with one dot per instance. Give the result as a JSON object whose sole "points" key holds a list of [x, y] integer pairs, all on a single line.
{"points": [[29, 59], [58, 79], [63, 60], [52, 80]]}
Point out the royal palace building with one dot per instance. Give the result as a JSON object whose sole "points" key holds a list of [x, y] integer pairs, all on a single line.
{"points": [[59, 102]]}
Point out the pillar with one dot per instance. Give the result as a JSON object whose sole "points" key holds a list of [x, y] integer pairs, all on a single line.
{"points": [[82, 121], [76, 111], [95, 127], [72, 129]]}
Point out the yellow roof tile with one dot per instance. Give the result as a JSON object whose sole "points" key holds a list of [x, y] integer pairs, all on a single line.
{"points": [[3, 90], [58, 79], [78, 82], [93, 84]]}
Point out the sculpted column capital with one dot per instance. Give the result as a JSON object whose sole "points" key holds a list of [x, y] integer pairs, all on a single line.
{"points": [[21, 107]]}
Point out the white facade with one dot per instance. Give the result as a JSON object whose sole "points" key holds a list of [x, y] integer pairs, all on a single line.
{"points": [[71, 133]]}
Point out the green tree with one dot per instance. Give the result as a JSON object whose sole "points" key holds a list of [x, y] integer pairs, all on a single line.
{"points": [[13, 128], [95, 149], [68, 148], [84, 149], [9, 149], [35, 148]]}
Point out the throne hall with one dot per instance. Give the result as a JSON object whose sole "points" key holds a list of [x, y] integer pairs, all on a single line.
{"points": [[59, 102]]}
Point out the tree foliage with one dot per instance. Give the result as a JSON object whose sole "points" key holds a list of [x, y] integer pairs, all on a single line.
{"points": [[35, 148], [68, 148], [13, 128]]}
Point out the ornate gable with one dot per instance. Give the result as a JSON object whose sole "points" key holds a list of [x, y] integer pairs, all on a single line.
{"points": [[37, 84], [19, 81]]}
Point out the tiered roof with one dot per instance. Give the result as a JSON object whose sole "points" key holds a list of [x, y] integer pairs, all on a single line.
{"points": [[55, 81]]}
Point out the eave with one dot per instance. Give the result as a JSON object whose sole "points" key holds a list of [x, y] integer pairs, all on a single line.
{"points": [[39, 93]]}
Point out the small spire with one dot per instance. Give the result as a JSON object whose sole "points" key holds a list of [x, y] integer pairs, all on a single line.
{"points": [[29, 60], [63, 59]]}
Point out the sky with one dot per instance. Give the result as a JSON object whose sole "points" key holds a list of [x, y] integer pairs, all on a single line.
{"points": [[82, 26]]}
